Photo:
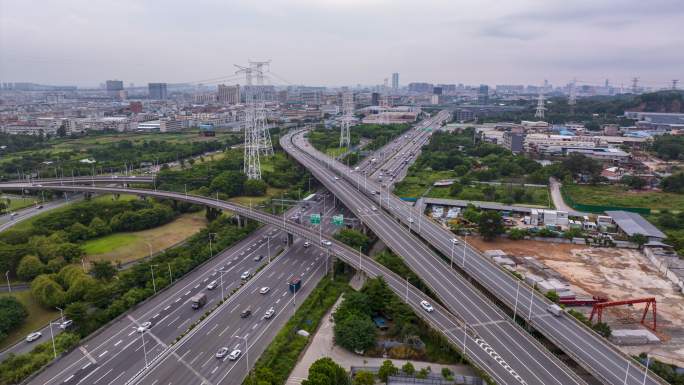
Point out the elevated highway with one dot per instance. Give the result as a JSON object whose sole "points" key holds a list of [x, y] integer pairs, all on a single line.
{"points": [[483, 340], [587, 348]]}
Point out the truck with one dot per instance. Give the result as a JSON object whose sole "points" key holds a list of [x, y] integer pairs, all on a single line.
{"points": [[294, 284], [554, 309], [198, 300]]}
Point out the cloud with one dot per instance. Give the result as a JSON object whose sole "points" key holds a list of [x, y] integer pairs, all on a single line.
{"points": [[338, 42]]}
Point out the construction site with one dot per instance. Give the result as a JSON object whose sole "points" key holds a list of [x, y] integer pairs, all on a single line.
{"points": [[622, 287]]}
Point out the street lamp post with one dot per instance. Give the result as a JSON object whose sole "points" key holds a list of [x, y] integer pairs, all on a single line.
{"points": [[451, 263], [211, 253], [9, 286], [648, 361], [223, 296], [142, 336], [246, 350], [268, 244], [170, 275], [154, 284], [61, 314], [465, 246], [52, 336], [515, 308]]}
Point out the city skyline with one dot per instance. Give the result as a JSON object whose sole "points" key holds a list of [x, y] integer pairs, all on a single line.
{"points": [[337, 42]]}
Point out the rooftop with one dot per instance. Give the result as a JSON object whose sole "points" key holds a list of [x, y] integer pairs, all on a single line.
{"points": [[633, 223]]}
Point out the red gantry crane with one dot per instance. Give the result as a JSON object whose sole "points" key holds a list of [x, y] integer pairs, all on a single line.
{"points": [[598, 308]]}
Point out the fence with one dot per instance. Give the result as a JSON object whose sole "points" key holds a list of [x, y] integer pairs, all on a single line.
{"points": [[597, 209], [431, 379]]}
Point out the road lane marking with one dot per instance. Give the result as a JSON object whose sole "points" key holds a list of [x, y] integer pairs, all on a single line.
{"points": [[284, 294], [117, 377], [129, 334], [255, 326], [155, 316], [69, 378], [224, 330], [86, 365], [103, 353], [103, 376], [177, 300], [212, 329], [187, 292], [196, 357], [278, 300], [167, 308], [197, 286], [174, 320], [235, 308], [214, 371], [117, 343]]}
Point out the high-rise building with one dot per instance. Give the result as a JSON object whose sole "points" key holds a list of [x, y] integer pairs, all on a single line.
{"points": [[114, 85], [135, 107], [420, 87], [375, 99], [157, 91], [483, 94], [228, 94], [436, 90], [395, 81]]}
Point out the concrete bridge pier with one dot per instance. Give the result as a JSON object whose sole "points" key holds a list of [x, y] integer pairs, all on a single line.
{"points": [[290, 239]]}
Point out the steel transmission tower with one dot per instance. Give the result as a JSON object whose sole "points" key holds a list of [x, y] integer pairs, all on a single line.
{"points": [[252, 165], [347, 118], [264, 145], [539, 113]]}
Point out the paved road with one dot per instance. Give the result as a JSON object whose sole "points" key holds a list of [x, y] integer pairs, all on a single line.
{"points": [[587, 348], [493, 359], [116, 351], [558, 201], [7, 220], [531, 361]]}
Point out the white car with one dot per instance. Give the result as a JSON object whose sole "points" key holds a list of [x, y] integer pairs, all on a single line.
{"points": [[307, 244], [374, 208], [326, 242], [410, 220], [337, 178], [234, 354], [222, 352], [144, 326], [212, 285], [245, 275], [426, 306], [33, 336], [269, 313], [264, 290], [67, 323], [454, 241]]}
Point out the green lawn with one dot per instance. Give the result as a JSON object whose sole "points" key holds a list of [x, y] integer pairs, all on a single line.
{"points": [[612, 195], [25, 225], [18, 203], [536, 196], [335, 151], [416, 183], [126, 247], [38, 316]]}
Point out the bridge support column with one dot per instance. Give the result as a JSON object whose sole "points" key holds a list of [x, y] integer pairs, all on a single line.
{"points": [[238, 219], [290, 239], [211, 213], [87, 196]]}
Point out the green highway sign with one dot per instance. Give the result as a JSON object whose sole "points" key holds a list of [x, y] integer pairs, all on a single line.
{"points": [[315, 219], [338, 220]]}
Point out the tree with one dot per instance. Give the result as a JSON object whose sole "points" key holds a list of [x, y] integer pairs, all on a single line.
{"points": [[71, 252], [386, 370], [103, 270], [99, 227], [47, 292], [255, 187], [12, 314], [353, 238], [325, 371], [363, 377], [355, 332], [446, 373], [423, 373], [62, 131], [30, 267], [77, 312], [552, 296], [633, 182], [408, 369], [230, 183], [490, 224], [603, 329], [639, 239], [79, 232], [673, 183], [455, 189]]}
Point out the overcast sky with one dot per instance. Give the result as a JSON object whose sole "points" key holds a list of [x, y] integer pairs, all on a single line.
{"points": [[343, 42]]}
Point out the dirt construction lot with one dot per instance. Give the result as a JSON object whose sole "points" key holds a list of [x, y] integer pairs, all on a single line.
{"points": [[615, 274]]}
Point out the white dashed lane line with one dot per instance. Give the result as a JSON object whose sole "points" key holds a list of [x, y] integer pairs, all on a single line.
{"points": [[117, 343]]}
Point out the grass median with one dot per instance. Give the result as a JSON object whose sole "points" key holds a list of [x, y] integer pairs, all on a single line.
{"points": [[280, 357]]}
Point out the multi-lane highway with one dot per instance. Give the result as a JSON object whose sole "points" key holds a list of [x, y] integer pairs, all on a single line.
{"points": [[485, 347], [595, 354], [531, 361], [116, 354]]}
